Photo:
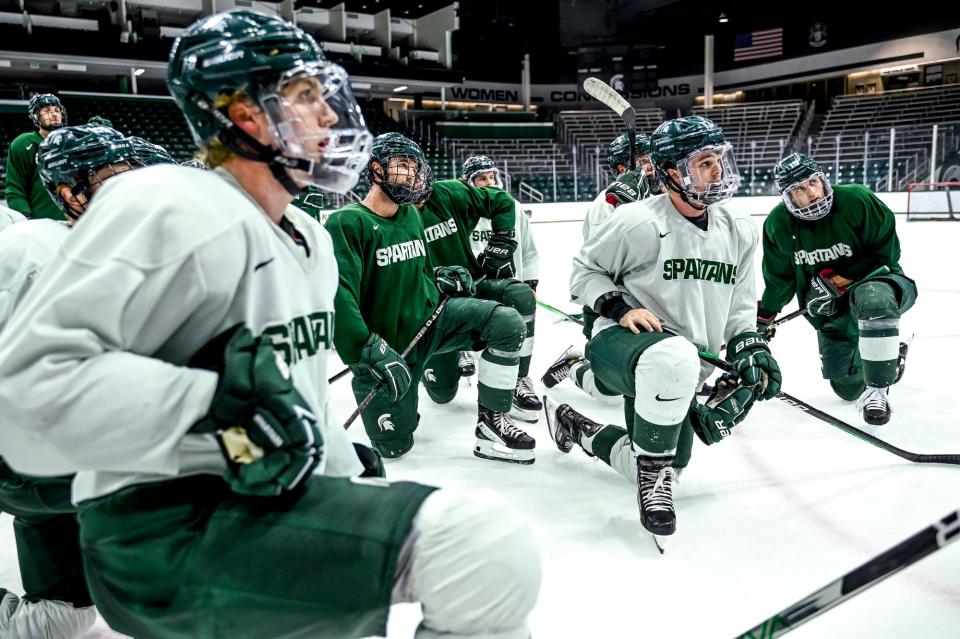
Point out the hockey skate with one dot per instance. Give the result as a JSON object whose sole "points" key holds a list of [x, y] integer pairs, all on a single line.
{"points": [[874, 406], [560, 369], [655, 495], [902, 358], [500, 440], [526, 404], [466, 364], [567, 426]]}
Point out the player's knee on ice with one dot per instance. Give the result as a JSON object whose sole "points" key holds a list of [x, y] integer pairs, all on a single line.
{"points": [[441, 377], [849, 387], [666, 378], [473, 563]]}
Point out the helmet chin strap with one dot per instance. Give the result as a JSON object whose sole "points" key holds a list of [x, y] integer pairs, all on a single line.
{"points": [[249, 148]]}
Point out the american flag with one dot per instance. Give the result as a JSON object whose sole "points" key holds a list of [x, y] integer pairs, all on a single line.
{"points": [[758, 44]]}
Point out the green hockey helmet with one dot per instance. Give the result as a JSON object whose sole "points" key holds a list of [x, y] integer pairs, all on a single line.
{"points": [[618, 153], [477, 164], [318, 135], [804, 187], [402, 171], [82, 158], [698, 150], [37, 104], [148, 153]]}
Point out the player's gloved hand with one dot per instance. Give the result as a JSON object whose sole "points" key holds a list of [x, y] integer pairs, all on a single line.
{"points": [[255, 392], [386, 366], [631, 186], [496, 258], [765, 321], [823, 294], [726, 407], [750, 353], [454, 281]]}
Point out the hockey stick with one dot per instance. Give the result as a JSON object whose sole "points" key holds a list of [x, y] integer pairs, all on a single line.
{"points": [[603, 92], [803, 309], [416, 338], [910, 550], [919, 458], [578, 320]]}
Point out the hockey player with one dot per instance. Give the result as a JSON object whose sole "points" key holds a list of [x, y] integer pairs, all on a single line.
{"points": [[381, 249], [450, 215], [628, 186], [24, 191], [817, 242], [73, 163], [175, 358], [480, 171], [8, 216], [670, 275]]}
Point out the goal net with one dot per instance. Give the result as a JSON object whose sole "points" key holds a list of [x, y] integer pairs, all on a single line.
{"points": [[933, 201]]}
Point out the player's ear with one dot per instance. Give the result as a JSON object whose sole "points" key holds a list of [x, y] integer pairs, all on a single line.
{"points": [[249, 117]]}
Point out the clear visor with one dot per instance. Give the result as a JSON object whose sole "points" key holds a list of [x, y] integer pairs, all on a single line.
{"points": [[709, 175], [317, 119], [644, 162], [809, 199], [486, 177]]}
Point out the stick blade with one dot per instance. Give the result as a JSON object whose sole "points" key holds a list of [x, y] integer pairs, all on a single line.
{"points": [[600, 90]]}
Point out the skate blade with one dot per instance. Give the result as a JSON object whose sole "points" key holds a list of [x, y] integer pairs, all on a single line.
{"points": [[523, 415], [660, 542], [498, 452]]}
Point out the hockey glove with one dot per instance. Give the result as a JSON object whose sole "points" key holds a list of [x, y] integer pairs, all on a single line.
{"points": [[750, 353], [629, 187], [726, 407], [454, 281], [386, 366], [256, 401], [497, 257], [765, 321], [823, 294]]}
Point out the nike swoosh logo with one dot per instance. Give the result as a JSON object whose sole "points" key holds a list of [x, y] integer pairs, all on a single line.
{"points": [[667, 399], [663, 235], [262, 264], [376, 226], [29, 146]]}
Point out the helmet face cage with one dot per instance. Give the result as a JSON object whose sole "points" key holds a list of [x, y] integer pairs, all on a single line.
{"points": [[316, 118], [37, 104], [618, 153], [801, 191], [475, 165], [147, 153], [709, 174], [405, 178]]}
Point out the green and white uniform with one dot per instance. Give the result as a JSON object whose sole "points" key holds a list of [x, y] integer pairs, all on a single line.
{"points": [[56, 599], [858, 345], [701, 286], [24, 191], [526, 260], [450, 215], [387, 287]]}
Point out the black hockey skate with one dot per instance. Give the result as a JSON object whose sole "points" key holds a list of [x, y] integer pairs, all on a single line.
{"points": [[567, 426], [655, 494], [526, 404], [874, 406], [500, 440], [466, 365], [560, 369], [902, 358]]}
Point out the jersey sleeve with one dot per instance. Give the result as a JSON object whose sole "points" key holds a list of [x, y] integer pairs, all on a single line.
{"points": [[882, 246], [743, 306], [528, 248], [489, 202], [12, 263], [19, 174], [351, 331], [80, 355], [777, 268], [613, 251]]}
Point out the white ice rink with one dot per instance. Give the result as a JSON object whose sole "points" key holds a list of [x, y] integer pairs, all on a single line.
{"points": [[784, 506]]}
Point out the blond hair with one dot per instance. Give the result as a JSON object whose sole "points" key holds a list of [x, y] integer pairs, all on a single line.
{"points": [[214, 152]]}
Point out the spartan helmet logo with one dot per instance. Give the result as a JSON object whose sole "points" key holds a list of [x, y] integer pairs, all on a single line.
{"points": [[616, 83], [385, 424], [430, 376]]}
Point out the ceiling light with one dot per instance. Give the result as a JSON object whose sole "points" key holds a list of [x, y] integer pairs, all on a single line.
{"points": [[139, 72], [400, 88], [723, 18]]}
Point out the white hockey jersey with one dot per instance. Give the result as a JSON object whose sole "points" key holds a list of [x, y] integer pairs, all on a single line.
{"points": [[598, 212], [526, 259], [8, 216], [24, 249], [700, 284], [93, 366]]}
